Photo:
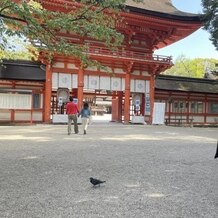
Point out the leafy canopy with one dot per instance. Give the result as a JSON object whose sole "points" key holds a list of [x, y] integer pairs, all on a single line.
{"points": [[94, 19], [194, 68], [210, 10]]}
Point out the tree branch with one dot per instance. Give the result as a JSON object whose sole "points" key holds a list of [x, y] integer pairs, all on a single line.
{"points": [[13, 18], [2, 9]]}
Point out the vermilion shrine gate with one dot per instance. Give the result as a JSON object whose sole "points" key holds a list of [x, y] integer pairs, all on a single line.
{"points": [[147, 26]]}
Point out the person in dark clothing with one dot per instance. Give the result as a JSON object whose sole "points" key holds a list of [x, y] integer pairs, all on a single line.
{"points": [[72, 111]]}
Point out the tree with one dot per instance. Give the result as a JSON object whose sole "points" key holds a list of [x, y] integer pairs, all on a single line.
{"points": [[18, 49], [195, 68], [95, 19], [18, 55], [210, 10]]}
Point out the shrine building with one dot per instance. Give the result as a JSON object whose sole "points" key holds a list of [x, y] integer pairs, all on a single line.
{"points": [[147, 27]]}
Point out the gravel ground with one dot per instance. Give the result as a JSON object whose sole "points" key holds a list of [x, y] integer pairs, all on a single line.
{"points": [[150, 171]]}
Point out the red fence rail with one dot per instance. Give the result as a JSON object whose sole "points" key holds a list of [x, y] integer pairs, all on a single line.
{"points": [[128, 55]]}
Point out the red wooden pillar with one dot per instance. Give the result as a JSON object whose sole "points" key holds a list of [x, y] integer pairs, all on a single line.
{"points": [[48, 90], [13, 111], [114, 117], [205, 108], [117, 106], [74, 92], [127, 93], [152, 86], [80, 87], [188, 108], [12, 115], [170, 103], [120, 106], [142, 108], [114, 108], [127, 98]]}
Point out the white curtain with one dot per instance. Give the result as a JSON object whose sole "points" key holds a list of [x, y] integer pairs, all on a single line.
{"points": [[15, 101]]}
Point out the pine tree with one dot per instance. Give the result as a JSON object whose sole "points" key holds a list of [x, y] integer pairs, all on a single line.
{"points": [[210, 10]]}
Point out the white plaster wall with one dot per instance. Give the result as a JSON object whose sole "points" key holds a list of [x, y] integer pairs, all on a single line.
{"points": [[5, 115], [71, 66], [74, 81], [116, 84], [93, 82], [198, 119], [118, 70], [22, 116], [105, 83], [64, 80], [138, 86], [86, 82], [213, 119], [58, 65], [55, 80], [132, 85], [37, 116], [136, 72]]}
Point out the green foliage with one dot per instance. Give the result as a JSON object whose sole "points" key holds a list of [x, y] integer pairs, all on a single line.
{"points": [[94, 19], [195, 68], [210, 10], [18, 55], [18, 49]]}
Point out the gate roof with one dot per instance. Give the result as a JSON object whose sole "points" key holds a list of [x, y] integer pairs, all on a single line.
{"points": [[163, 8]]}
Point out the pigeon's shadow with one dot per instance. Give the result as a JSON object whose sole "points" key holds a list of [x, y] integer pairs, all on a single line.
{"points": [[94, 188], [98, 186]]}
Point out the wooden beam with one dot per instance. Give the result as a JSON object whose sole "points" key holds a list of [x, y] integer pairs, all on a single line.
{"points": [[48, 91]]}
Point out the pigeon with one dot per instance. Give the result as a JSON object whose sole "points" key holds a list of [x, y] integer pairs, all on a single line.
{"points": [[96, 181], [216, 155]]}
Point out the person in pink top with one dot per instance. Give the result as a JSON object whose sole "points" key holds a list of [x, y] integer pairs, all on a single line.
{"points": [[72, 111]]}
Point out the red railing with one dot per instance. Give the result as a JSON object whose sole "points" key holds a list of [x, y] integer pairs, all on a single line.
{"points": [[132, 55]]}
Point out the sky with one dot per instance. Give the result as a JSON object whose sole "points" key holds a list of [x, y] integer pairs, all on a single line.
{"points": [[196, 45]]}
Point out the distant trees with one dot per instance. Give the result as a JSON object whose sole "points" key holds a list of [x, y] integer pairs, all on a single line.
{"points": [[18, 49], [210, 10], [16, 55], [195, 68]]}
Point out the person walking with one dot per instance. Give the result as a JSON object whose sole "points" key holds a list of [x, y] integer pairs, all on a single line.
{"points": [[85, 116], [72, 111]]}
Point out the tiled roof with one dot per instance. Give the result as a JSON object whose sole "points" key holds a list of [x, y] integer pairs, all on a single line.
{"points": [[160, 6], [184, 84], [22, 70]]}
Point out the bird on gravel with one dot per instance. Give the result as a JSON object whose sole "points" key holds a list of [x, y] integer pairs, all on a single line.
{"points": [[216, 155], [96, 181]]}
